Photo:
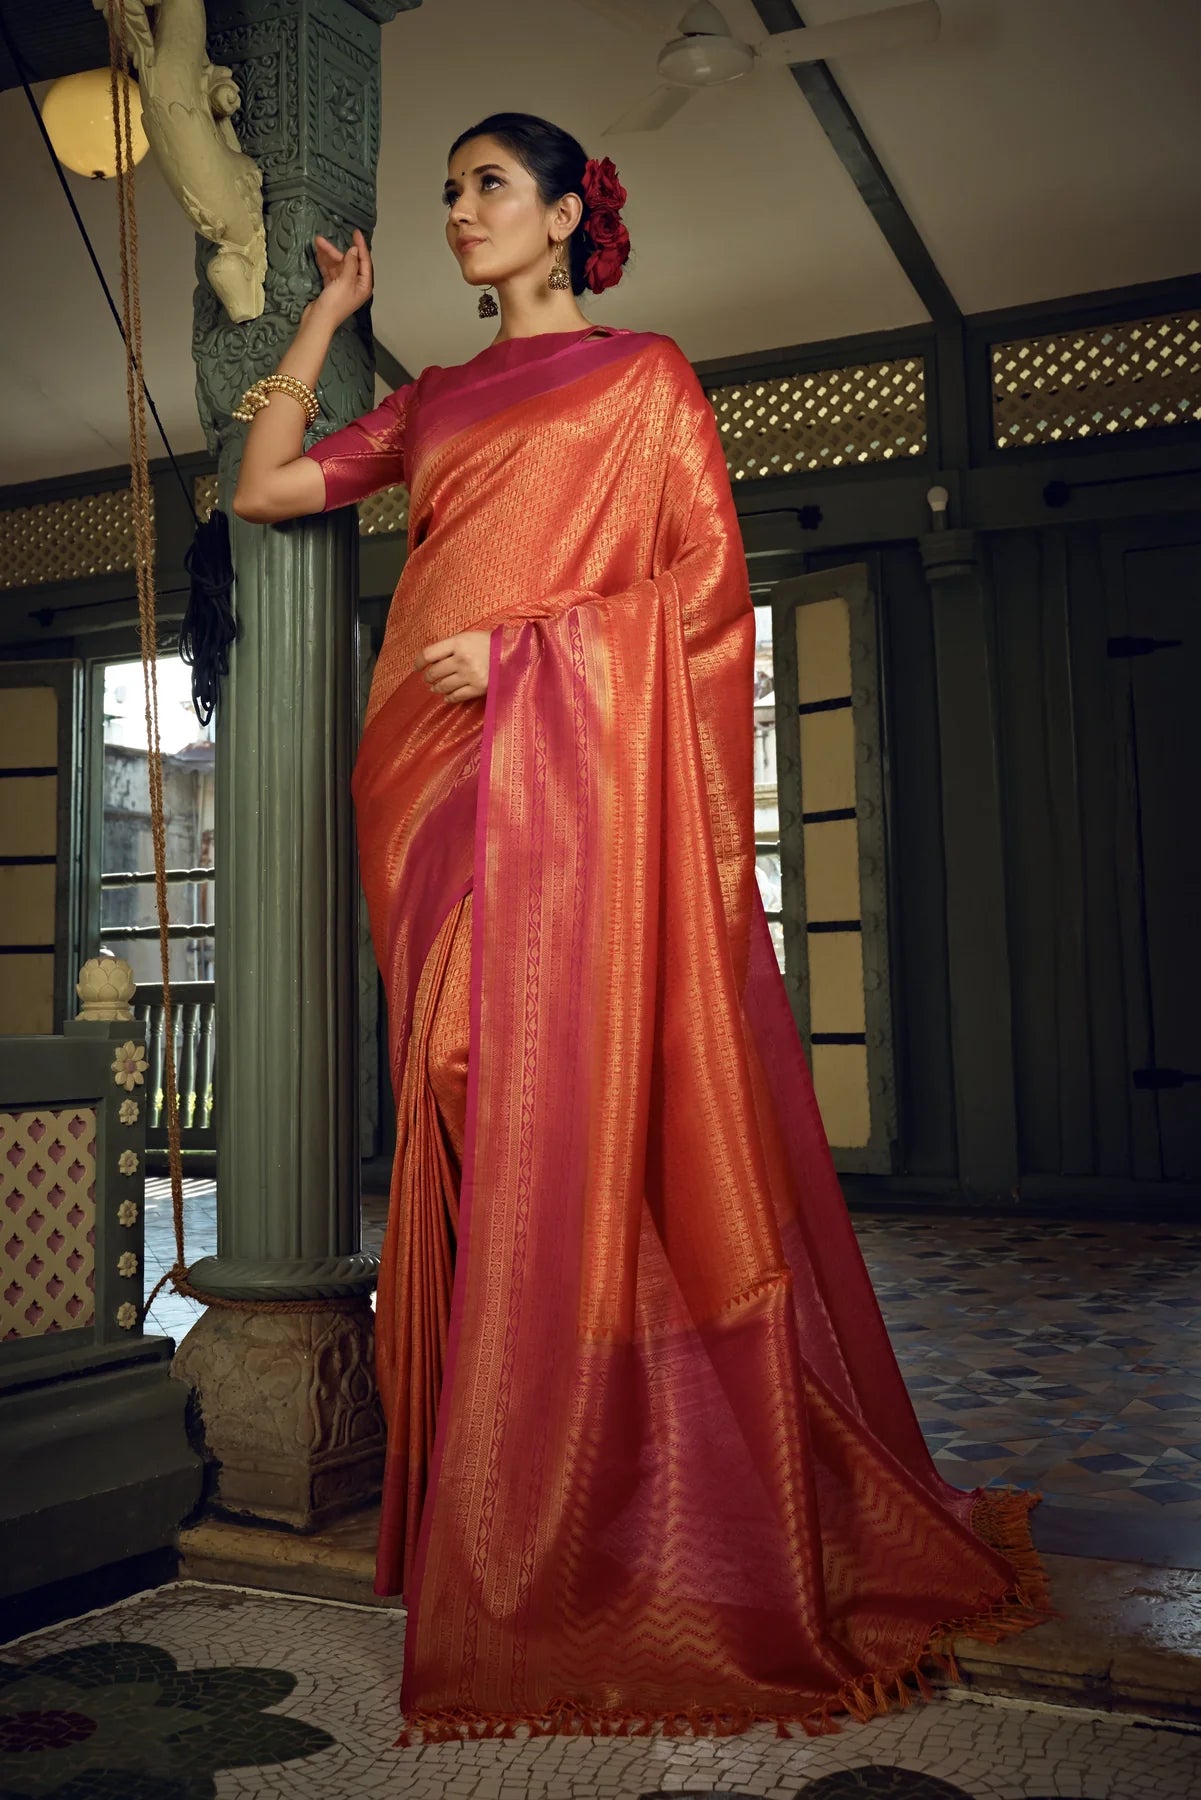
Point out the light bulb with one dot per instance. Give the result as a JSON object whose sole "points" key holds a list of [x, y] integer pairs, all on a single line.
{"points": [[77, 112]]}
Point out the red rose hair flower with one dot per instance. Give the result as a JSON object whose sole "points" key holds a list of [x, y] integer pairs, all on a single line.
{"points": [[601, 186], [604, 197]]}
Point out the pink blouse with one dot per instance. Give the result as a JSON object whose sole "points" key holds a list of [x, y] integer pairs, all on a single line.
{"points": [[366, 455], [381, 448]]}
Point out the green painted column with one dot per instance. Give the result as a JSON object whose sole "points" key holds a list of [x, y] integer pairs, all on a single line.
{"points": [[977, 923], [286, 904]]}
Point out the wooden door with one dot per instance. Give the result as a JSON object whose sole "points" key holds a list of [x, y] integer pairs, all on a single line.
{"points": [[1160, 654]]}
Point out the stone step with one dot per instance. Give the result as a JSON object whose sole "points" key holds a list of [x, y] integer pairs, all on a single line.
{"points": [[335, 1564], [1128, 1638]]}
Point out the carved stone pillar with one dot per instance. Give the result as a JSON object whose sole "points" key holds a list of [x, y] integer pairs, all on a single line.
{"points": [[287, 1397]]}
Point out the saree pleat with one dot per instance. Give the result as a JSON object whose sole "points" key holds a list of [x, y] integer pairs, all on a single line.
{"points": [[651, 1456], [417, 1260]]}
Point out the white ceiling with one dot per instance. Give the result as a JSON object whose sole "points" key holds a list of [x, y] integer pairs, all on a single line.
{"points": [[1042, 148]]}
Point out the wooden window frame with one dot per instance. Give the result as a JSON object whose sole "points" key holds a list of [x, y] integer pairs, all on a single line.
{"points": [[852, 583]]}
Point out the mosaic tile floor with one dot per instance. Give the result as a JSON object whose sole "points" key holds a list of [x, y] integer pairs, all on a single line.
{"points": [[202, 1693], [1065, 1357]]}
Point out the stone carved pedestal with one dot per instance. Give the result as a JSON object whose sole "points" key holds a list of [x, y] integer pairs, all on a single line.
{"points": [[289, 1408]]}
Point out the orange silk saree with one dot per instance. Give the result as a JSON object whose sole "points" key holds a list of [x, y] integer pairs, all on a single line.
{"points": [[650, 1455]]}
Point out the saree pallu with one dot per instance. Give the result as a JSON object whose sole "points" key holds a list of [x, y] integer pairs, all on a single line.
{"points": [[651, 1458]]}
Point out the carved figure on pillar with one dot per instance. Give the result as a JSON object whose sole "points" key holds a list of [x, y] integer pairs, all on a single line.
{"points": [[187, 105], [308, 72]]}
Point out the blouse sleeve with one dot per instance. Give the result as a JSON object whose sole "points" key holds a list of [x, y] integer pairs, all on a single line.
{"points": [[366, 455]]}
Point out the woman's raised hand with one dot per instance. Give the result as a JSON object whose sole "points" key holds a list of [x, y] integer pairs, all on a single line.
{"points": [[346, 275]]}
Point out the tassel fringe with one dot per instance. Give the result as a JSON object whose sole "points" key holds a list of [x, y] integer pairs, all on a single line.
{"points": [[1000, 1516]]}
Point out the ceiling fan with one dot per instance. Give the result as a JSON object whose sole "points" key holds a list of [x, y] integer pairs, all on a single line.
{"points": [[704, 52]]}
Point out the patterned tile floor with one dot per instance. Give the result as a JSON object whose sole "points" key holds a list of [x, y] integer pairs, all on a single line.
{"points": [[1053, 1355], [1061, 1356], [205, 1693]]}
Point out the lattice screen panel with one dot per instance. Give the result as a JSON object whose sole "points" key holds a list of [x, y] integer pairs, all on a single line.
{"points": [[383, 515], [1098, 382], [47, 1221], [60, 540], [204, 495], [827, 419]]}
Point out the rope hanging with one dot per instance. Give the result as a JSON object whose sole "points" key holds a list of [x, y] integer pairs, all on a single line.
{"points": [[143, 522]]}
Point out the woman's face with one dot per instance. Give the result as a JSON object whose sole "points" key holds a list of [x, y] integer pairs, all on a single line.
{"points": [[496, 223]]}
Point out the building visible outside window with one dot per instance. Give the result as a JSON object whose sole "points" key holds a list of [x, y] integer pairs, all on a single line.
{"points": [[128, 919], [767, 809]]}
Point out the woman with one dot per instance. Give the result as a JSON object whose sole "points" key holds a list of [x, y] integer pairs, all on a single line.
{"points": [[650, 1455]]}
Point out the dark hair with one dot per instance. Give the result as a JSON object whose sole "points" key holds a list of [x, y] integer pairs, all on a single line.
{"points": [[556, 161]]}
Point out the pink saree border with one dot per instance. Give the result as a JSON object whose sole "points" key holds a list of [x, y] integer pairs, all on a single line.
{"points": [[468, 403]]}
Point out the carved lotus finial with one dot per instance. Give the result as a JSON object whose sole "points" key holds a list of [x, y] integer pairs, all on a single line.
{"points": [[105, 988]]}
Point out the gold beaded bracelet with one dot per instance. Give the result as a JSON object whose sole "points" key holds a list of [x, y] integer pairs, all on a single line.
{"points": [[259, 394]]}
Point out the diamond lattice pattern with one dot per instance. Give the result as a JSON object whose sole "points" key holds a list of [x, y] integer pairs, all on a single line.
{"points": [[826, 419], [1099, 382], [59, 540], [47, 1221], [204, 495], [385, 514]]}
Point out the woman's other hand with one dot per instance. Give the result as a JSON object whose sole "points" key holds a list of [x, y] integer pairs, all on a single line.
{"points": [[346, 276], [457, 667]]}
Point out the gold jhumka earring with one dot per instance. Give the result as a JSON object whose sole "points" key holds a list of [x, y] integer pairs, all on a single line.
{"points": [[558, 277]]}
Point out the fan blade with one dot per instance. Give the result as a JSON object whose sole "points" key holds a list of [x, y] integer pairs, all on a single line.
{"points": [[895, 28], [651, 113], [648, 21]]}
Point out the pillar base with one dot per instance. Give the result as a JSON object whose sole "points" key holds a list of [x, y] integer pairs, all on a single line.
{"points": [[348, 1277], [290, 1414]]}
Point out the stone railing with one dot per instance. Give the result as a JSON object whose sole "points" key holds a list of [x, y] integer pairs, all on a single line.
{"points": [[193, 1020]]}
